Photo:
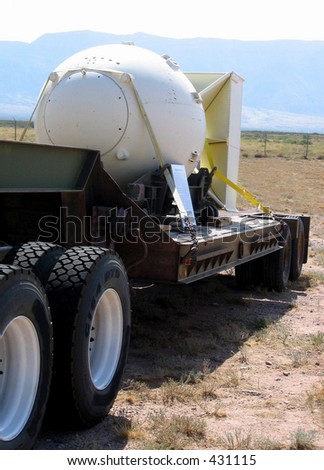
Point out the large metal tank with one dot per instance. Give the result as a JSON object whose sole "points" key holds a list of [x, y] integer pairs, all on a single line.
{"points": [[119, 99]]}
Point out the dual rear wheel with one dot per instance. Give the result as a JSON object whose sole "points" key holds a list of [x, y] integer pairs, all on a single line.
{"points": [[275, 270], [89, 297], [87, 324]]}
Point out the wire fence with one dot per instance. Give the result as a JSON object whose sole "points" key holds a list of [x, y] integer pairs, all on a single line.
{"points": [[290, 145]]}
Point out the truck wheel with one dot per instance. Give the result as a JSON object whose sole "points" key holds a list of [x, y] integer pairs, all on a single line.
{"points": [[25, 357], [89, 296], [249, 275], [38, 257], [277, 265], [297, 253]]}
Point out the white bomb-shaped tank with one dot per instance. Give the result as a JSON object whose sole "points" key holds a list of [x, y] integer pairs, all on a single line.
{"points": [[136, 107]]}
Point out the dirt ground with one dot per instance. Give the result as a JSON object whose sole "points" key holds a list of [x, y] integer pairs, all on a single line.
{"points": [[242, 369]]}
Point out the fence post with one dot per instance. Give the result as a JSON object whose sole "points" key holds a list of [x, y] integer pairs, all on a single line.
{"points": [[15, 128], [265, 143], [307, 144]]}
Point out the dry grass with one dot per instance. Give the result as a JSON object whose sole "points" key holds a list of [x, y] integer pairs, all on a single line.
{"points": [[172, 392], [13, 131], [318, 340], [289, 183], [284, 185], [128, 428], [161, 432], [236, 440], [315, 401], [173, 432], [303, 440], [291, 146]]}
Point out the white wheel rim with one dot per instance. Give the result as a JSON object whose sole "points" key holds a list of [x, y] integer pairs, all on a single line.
{"points": [[105, 341], [19, 375]]}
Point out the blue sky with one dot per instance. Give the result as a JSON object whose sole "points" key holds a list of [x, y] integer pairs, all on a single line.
{"points": [[235, 19]]}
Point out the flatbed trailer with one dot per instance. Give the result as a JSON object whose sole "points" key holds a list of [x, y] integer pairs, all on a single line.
{"points": [[79, 204]]}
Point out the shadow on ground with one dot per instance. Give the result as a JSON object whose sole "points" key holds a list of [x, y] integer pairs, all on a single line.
{"points": [[177, 328]]}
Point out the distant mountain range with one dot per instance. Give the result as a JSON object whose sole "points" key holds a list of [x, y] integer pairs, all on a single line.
{"points": [[283, 87]]}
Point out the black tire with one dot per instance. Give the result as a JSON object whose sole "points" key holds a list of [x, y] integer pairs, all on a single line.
{"points": [[38, 257], [277, 265], [249, 275], [297, 252], [89, 296], [25, 357]]}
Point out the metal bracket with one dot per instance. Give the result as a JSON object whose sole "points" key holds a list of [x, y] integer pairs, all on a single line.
{"points": [[178, 184]]}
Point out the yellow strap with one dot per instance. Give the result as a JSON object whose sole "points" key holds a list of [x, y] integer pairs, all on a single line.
{"points": [[243, 192]]}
